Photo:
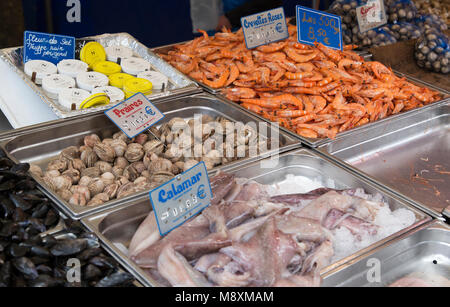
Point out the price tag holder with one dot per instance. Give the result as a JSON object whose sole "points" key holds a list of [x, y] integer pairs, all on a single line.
{"points": [[48, 47], [264, 28], [134, 115], [316, 26], [181, 198], [370, 16]]}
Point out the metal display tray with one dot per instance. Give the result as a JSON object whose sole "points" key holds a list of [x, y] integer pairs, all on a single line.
{"points": [[116, 227], [316, 142], [424, 251], [42, 143], [178, 83], [410, 156]]}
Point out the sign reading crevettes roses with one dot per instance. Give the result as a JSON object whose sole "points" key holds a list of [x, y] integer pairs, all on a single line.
{"points": [[134, 115]]}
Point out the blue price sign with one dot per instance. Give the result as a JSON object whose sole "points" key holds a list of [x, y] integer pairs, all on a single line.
{"points": [[181, 198], [48, 47], [316, 26]]}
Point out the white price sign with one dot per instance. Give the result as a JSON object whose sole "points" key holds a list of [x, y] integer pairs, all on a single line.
{"points": [[370, 16], [134, 115]]}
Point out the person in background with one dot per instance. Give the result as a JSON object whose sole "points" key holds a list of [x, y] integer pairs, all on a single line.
{"points": [[235, 9]]}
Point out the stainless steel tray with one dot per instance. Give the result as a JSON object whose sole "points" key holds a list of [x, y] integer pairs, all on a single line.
{"points": [[410, 156], [41, 143], [116, 227], [178, 83], [424, 251], [311, 141]]}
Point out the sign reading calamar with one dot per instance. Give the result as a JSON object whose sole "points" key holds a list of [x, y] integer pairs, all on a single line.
{"points": [[181, 198], [134, 115], [316, 26], [264, 28], [48, 47]]}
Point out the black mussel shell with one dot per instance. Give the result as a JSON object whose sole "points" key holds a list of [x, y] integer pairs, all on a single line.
{"points": [[89, 253], [91, 272], [5, 274], [51, 219], [40, 251], [26, 267], [40, 210], [20, 168], [68, 247], [103, 262], [17, 251], [44, 281], [115, 279], [19, 202]]}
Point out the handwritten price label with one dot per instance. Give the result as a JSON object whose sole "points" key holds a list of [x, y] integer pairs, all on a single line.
{"points": [[370, 16], [264, 28], [48, 47], [316, 26], [134, 115], [181, 198]]}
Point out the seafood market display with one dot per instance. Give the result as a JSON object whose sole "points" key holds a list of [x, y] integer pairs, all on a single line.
{"points": [[262, 235], [440, 8], [313, 91], [432, 51], [29, 254], [102, 170]]}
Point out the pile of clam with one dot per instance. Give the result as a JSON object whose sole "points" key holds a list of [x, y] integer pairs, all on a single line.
{"points": [[102, 170]]}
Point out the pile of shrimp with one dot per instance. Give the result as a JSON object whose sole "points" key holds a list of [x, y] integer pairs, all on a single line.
{"points": [[314, 91]]}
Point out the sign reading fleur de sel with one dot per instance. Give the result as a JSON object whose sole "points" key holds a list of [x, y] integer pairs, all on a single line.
{"points": [[181, 198], [264, 28], [48, 47], [134, 115]]}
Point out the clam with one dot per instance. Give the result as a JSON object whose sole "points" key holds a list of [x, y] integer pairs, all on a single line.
{"points": [[92, 172], [160, 165], [121, 180], [130, 173], [153, 133], [105, 152], [89, 157], [62, 182], [107, 178], [104, 166], [141, 139], [176, 124], [78, 199], [84, 181], [125, 190], [70, 153], [140, 179], [119, 147], [98, 199], [52, 173], [73, 174], [121, 136], [65, 195], [77, 164], [108, 141], [111, 190], [117, 171], [36, 170], [146, 174], [134, 152], [214, 156], [154, 146], [121, 162], [96, 186], [59, 165], [173, 153], [139, 166], [81, 190], [91, 140], [161, 177]]}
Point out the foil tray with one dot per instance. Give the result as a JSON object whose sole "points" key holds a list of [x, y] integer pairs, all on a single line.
{"points": [[178, 83]]}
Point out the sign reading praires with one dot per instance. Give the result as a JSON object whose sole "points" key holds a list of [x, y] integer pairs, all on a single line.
{"points": [[181, 198], [134, 115]]}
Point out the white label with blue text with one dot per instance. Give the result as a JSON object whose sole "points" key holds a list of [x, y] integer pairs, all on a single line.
{"points": [[264, 28], [134, 115], [181, 198]]}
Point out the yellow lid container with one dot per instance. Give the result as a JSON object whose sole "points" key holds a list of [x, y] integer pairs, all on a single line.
{"points": [[137, 85], [95, 100], [118, 80], [92, 53], [107, 68]]}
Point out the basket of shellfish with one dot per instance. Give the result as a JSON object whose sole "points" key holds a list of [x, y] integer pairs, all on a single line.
{"points": [[87, 165]]}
